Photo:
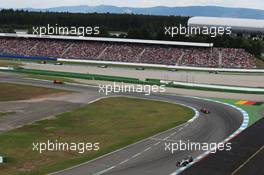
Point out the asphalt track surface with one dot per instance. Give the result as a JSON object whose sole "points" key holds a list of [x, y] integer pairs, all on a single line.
{"points": [[246, 157], [149, 157]]}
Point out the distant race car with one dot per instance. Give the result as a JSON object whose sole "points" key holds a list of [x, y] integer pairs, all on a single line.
{"points": [[57, 82], [205, 111], [184, 162], [140, 68], [103, 66], [59, 63], [42, 62], [172, 70]]}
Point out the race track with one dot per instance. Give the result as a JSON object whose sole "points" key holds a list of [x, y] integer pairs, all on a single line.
{"points": [[149, 157]]}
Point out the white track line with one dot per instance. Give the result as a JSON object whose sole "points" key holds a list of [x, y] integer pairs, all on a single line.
{"points": [[136, 155], [104, 171], [157, 143], [147, 149], [124, 161], [248, 160]]}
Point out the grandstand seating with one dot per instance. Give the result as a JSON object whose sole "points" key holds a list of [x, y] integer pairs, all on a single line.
{"points": [[121, 52]]}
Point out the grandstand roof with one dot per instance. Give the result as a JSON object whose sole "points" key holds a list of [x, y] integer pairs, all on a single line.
{"points": [[122, 40], [237, 24]]}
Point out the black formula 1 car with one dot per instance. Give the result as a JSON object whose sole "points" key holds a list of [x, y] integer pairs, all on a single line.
{"points": [[184, 162], [205, 111]]}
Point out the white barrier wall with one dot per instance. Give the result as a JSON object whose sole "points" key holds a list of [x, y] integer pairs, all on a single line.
{"points": [[235, 88], [165, 66]]}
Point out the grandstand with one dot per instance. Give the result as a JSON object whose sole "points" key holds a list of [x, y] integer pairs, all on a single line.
{"points": [[126, 50]]}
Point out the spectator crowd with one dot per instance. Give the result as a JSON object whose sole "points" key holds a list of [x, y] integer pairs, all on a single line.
{"points": [[122, 52]]}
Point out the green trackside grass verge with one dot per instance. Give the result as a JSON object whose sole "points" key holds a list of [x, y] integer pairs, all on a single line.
{"points": [[253, 111], [3, 114], [50, 78], [114, 122], [14, 92]]}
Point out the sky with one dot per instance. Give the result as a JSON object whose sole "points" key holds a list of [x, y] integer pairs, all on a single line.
{"points": [[256, 4]]}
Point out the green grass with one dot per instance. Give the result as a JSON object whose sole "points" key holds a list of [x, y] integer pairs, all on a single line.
{"points": [[3, 114], [253, 111], [114, 122], [51, 78], [14, 92]]}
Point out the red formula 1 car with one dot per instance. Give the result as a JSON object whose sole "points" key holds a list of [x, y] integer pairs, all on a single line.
{"points": [[57, 82], [205, 111]]}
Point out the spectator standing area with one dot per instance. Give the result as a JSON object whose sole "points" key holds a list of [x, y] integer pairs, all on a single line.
{"points": [[126, 50]]}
